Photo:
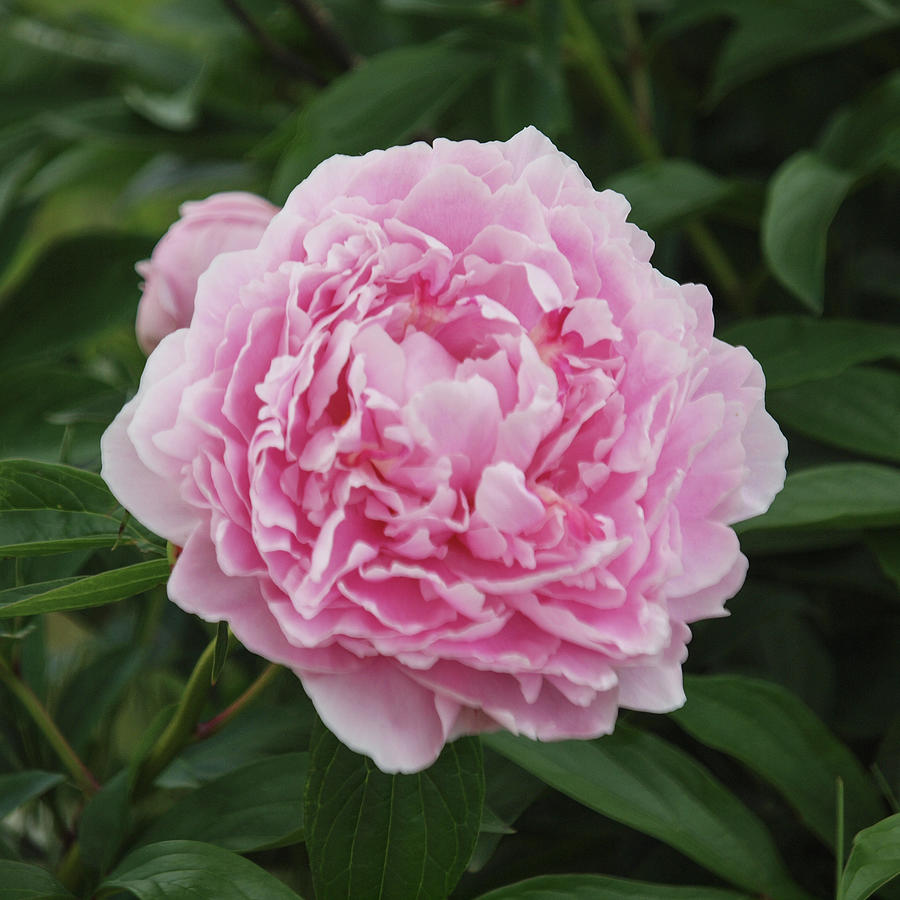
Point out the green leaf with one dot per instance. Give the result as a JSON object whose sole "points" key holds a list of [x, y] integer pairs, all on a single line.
{"points": [[46, 508], [97, 271], [662, 193], [180, 869], [20, 787], [256, 806], [19, 881], [858, 410], [796, 349], [886, 547], [640, 780], [865, 135], [81, 593], [802, 198], [49, 408], [770, 35], [841, 495], [375, 835], [874, 860], [602, 887], [106, 822], [378, 105], [775, 734], [221, 652], [259, 732]]}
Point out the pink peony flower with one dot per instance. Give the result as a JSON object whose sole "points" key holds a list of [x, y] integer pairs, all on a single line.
{"points": [[448, 446], [229, 221]]}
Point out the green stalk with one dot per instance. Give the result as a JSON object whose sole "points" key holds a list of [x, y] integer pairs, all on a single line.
{"points": [[39, 715], [838, 835], [209, 728], [589, 52], [180, 730]]}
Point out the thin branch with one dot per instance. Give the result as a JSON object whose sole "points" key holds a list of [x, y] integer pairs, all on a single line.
{"points": [[321, 23], [275, 51]]}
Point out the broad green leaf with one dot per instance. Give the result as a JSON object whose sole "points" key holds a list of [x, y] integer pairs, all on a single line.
{"points": [[776, 735], [259, 732], [858, 410], [372, 835], [97, 272], [796, 349], [259, 805], [769, 35], [646, 783], [802, 198], [20, 881], [841, 495], [378, 105], [603, 887], [20, 787], [46, 508], [662, 193], [106, 822], [874, 860], [180, 869], [866, 134], [886, 547], [48, 409], [81, 593]]}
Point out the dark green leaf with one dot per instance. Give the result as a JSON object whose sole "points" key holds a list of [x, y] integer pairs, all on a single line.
{"points": [[642, 781], [181, 869], [81, 593], [259, 732], [842, 495], [803, 196], [776, 735], [796, 349], [601, 887], [105, 823], [19, 881], [20, 787], [886, 547], [662, 193], [866, 134], [378, 105], [372, 835], [47, 509], [259, 805], [41, 402], [769, 35], [858, 410], [874, 860], [93, 274]]}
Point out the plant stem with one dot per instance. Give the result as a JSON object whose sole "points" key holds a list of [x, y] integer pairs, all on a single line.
{"points": [[320, 21], [180, 730], [39, 715], [591, 55], [275, 51], [210, 727]]}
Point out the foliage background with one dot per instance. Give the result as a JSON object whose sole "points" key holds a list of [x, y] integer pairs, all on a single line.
{"points": [[759, 144]]}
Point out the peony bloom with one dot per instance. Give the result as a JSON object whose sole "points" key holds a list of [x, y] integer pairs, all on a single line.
{"points": [[448, 446], [229, 221]]}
